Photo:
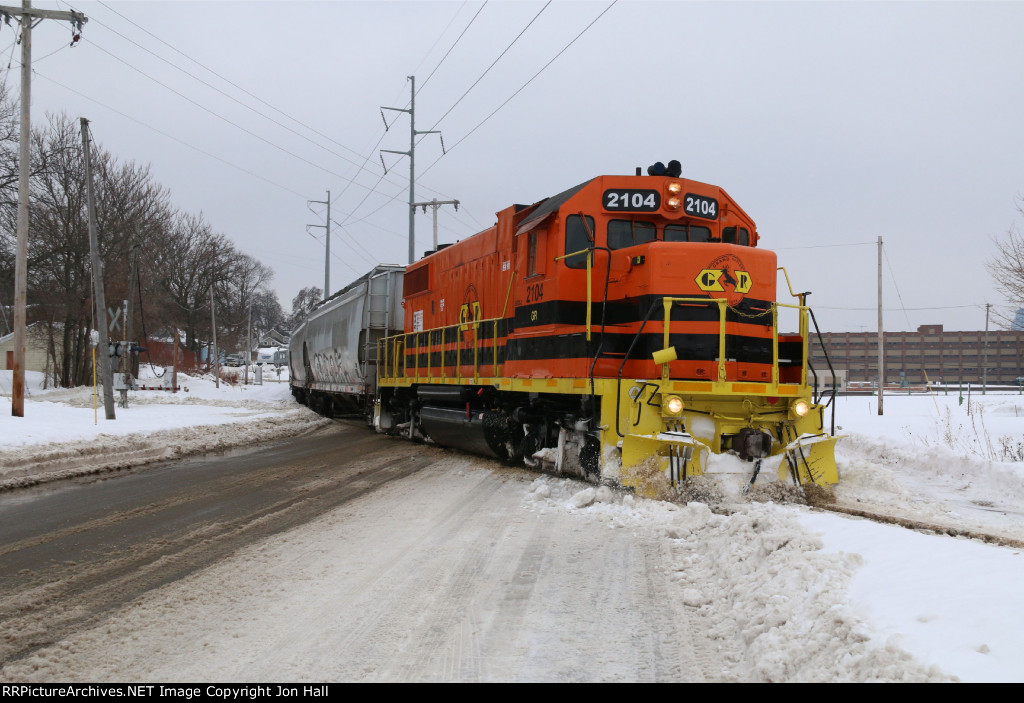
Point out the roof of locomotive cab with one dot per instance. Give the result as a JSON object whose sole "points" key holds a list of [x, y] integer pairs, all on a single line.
{"points": [[542, 208], [549, 205]]}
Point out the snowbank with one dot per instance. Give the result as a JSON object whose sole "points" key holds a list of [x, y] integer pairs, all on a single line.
{"points": [[65, 433]]}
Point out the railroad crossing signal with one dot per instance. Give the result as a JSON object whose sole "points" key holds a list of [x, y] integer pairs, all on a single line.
{"points": [[115, 314]]}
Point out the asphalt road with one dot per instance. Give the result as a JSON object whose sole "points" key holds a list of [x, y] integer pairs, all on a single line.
{"points": [[74, 550]]}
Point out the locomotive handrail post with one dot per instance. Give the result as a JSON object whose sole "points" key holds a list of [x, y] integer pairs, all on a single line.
{"points": [[775, 345], [802, 296], [416, 356], [588, 251], [589, 294], [476, 353], [721, 339], [430, 354], [667, 305], [804, 338]]}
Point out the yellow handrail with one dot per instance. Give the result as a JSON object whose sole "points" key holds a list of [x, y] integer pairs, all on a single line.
{"points": [[392, 349]]}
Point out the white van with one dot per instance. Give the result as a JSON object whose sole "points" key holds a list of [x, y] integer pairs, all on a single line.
{"points": [[265, 355]]}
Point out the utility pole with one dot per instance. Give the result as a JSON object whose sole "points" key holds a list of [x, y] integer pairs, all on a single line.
{"points": [[99, 298], [327, 255], [984, 355], [881, 334], [26, 16], [435, 203], [215, 361], [248, 346], [126, 355], [412, 161]]}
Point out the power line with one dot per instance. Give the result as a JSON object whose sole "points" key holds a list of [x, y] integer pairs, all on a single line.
{"points": [[522, 87], [230, 122], [454, 44], [236, 100], [940, 307], [436, 42], [226, 80], [505, 51], [896, 286], [171, 137], [826, 246], [348, 181]]}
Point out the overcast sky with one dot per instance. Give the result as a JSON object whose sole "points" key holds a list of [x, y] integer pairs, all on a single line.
{"points": [[830, 123]]}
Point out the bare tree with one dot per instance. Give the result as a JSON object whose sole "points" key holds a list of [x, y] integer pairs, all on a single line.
{"points": [[302, 303], [1007, 268], [191, 258]]}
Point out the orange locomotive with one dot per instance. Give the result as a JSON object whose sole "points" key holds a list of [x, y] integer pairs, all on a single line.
{"points": [[627, 319]]}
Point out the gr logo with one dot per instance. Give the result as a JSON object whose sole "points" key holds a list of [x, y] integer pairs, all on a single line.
{"points": [[725, 277], [717, 280]]}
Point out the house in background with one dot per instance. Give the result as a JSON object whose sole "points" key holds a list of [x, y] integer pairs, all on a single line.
{"points": [[273, 338], [38, 341]]}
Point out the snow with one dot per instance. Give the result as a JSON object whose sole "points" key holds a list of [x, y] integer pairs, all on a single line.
{"points": [[64, 432], [782, 591]]}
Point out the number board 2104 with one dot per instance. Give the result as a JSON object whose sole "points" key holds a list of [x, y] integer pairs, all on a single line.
{"points": [[631, 199], [700, 206]]}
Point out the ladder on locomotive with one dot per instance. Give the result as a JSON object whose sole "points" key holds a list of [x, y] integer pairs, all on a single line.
{"points": [[376, 321]]}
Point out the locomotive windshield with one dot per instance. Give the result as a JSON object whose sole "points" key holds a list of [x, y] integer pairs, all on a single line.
{"points": [[687, 233], [628, 233]]}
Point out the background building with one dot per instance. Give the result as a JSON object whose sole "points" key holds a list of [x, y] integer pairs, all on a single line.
{"points": [[928, 355]]}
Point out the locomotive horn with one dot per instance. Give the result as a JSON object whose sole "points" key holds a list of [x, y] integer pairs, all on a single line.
{"points": [[657, 169], [674, 169]]}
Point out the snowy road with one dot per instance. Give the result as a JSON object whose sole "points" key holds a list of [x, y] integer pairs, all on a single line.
{"points": [[443, 577], [377, 560]]}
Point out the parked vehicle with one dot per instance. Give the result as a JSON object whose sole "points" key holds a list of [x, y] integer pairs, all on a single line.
{"points": [[234, 360], [265, 355]]}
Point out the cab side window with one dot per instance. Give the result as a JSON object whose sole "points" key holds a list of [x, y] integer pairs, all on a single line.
{"points": [[531, 253], [578, 236], [736, 235]]}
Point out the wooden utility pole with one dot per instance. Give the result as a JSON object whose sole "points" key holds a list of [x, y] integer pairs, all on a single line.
{"points": [[26, 17], [248, 345], [881, 334], [174, 367], [126, 354], [435, 203], [215, 361], [106, 373], [984, 355]]}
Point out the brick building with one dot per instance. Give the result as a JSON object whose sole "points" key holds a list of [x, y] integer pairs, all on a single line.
{"points": [[946, 357]]}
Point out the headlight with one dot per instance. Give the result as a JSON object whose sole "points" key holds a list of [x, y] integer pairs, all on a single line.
{"points": [[674, 187], [799, 408], [672, 406], [673, 203]]}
